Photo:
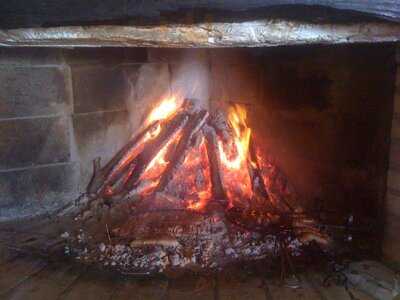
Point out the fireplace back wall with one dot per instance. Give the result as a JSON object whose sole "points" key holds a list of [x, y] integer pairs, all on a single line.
{"points": [[323, 113]]}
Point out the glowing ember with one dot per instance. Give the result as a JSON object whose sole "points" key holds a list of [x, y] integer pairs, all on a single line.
{"points": [[192, 182]]}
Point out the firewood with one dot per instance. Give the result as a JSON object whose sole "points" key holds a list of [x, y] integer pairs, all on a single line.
{"points": [[99, 178], [176, 158], [154, 146], [212, 150]]}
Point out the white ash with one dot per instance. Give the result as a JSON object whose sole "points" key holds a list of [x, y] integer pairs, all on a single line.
{"points": [[206, 243]]}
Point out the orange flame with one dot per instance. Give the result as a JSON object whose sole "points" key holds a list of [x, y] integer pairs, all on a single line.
{"points": [[234, 157], [164, 110]]}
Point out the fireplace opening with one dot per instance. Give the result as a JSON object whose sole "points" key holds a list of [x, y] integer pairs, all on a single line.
{"points": [[165, 161]]}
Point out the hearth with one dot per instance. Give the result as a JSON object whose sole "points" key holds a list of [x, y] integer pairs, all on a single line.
{"points": [[264, 143]]}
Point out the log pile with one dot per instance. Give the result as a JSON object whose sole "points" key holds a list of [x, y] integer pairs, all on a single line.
{"points": [[183, 193]]}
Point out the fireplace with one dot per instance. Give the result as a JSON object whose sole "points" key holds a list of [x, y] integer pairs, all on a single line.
{"points": [[149, 160]]}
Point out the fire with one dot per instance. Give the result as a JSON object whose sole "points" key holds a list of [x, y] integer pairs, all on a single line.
{"points": [[237, 116], [159, 163], [164, 110], [192, 182], [234, 157]]}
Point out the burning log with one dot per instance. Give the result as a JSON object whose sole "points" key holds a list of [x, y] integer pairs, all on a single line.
{"points": [[181, 176], [212, 150], [171, 130], [108, 174], [175, 160]]}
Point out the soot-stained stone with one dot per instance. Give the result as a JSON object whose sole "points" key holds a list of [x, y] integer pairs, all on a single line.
{"points": [[34, 190], [99, 135], [101, 88], [28, 142], [176, 56], [238, 82], [33, 91], [30, 56], [104, 56]]}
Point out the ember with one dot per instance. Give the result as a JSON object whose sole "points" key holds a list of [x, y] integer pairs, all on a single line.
{"points": [[193, 190]]}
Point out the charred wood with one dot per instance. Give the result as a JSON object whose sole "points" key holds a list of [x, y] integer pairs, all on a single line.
{"points": [[154, 146], [212, 150], [108, 173], [175, 160]]}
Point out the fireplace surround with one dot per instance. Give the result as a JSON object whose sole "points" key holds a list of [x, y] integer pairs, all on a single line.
{"points": [[322, 105]]}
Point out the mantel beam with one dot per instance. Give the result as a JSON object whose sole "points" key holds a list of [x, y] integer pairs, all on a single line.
{"points": [[258, 33]]}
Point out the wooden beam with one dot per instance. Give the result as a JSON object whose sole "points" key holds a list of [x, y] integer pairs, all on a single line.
{"points": [[258, 33]]}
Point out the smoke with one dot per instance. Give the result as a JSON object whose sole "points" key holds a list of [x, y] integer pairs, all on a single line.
{"points": [[185, 75], [190, 77]]}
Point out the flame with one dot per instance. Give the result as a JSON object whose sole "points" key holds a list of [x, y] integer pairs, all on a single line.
{"points": [[234, 157], [192, 181], [164, 110]]}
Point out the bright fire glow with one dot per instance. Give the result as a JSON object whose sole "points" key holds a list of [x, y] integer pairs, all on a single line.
{"points": [[164, 110], [192, 181], [234, 157]]}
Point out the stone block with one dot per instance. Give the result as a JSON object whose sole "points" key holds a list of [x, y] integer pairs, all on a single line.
{"points": [[29, 142], [394, 158], [104, 56], [226, 56], [98, 135], [33, 91], [191, 287], [396, 125], [30, 56], [391, 243], [240, 287], [393, 180], [331, 79], [175, 56], [101, 88], [32, 191], [392, 206], [149, 83], [235, 83]]}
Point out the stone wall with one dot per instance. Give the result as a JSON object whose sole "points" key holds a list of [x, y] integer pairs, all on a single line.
{"points": [[391, 244], [323, 113], [58, 110]]}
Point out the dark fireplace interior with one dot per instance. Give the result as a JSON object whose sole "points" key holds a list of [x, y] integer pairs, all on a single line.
{"points": [[197, 152], [321, 114]]}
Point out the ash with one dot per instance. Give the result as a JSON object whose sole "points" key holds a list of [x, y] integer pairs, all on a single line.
{"points": [[182, 241]]}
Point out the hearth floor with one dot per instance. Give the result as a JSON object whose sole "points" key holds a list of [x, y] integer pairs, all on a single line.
{"points": [[23, 276]]}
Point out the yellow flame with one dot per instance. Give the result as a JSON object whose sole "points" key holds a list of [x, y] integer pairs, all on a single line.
{"points": [[237, 116], [166, 108]]}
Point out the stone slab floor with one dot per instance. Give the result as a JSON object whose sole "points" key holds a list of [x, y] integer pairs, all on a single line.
{"points": [[23, 276]]}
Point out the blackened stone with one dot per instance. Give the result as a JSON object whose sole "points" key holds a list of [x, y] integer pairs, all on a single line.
{"points": [[100, 88], [28, 142], [36, 190], [238, 82], [99, 135], [30, 56], [104, 56], [169, 55], [33, 91]]}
